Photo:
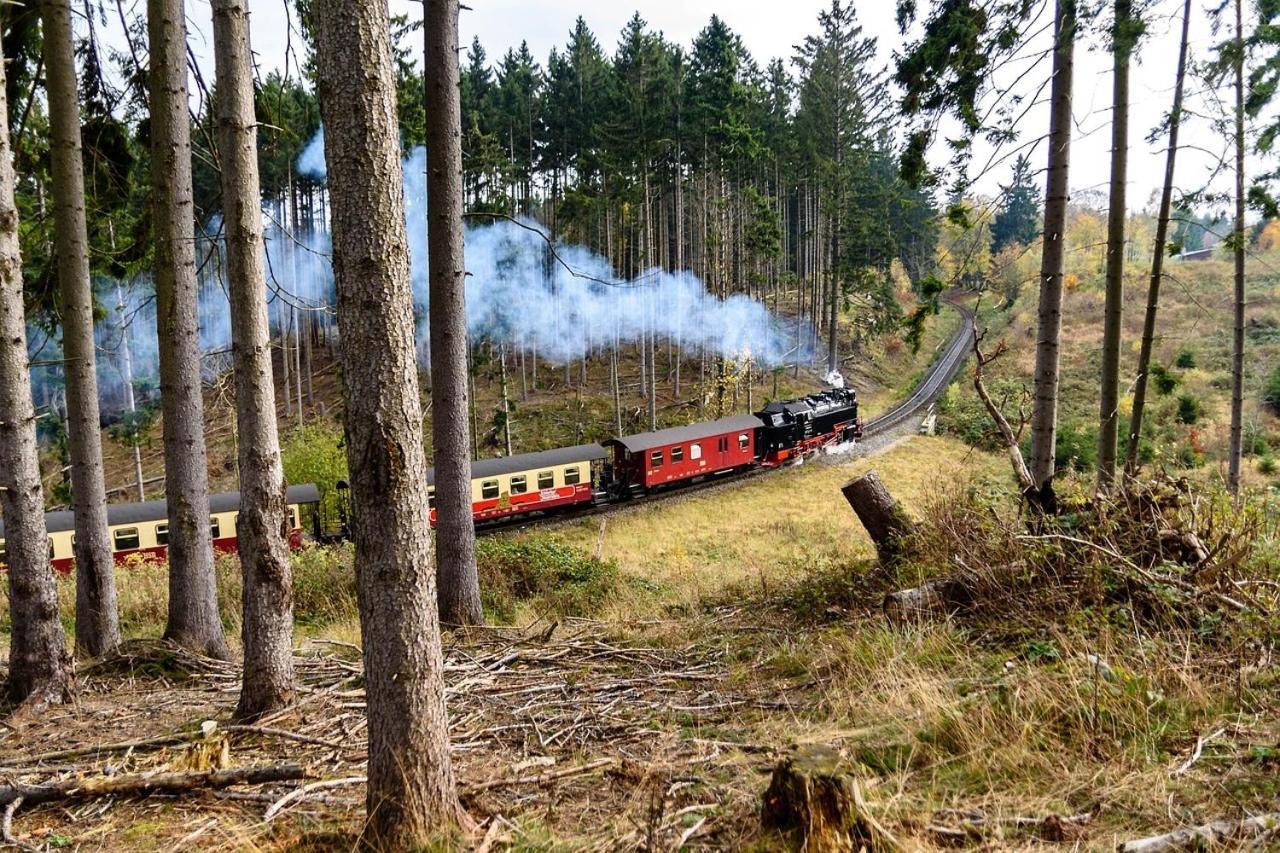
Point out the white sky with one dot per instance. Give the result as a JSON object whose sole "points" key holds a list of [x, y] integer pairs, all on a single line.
{"points": [[771, 29]]}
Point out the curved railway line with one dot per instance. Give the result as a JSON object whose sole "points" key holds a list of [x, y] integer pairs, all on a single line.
{"points": [[954, 353]]}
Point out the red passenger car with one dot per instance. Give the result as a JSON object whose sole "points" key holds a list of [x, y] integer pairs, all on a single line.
{"points": [[641, 462]]}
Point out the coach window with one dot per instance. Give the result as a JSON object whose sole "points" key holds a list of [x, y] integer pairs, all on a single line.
{"points": [[743, 441], [126, 539], [677, 454], [695, 451], [519, 484], [431, 497], [489, 489], [655, 459], [546, 479], [2, 551], [162, 534], [572, 476], [215, 529]]}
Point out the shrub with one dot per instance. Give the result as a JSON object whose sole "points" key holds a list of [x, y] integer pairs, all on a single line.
{"points": [[315, 454], [1271, 394], [1164, 381], [555, 579], [1189, 409], [1267, 466], [1186, 359]]}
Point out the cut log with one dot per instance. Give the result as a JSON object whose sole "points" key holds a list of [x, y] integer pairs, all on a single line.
{"points": [[883, 517], [154, 782], [814, 794], [1201, 837]]}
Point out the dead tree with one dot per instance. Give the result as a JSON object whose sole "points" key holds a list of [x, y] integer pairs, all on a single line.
{"points": [[813, 794], [883, 517]]}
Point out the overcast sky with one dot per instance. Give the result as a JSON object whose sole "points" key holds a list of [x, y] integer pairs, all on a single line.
{"points": [[771, 29]]}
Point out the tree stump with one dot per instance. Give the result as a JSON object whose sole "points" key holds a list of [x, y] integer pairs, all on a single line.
{"points": [[814, 794], [881, 515]]}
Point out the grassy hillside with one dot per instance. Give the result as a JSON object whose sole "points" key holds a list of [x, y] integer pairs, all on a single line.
{"points": [[1188, 412]]}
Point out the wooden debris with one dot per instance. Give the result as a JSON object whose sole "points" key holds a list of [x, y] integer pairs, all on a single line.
{"points": [[883, 517], [1200, 837], [154, 782], [814, 794], [930, 600]]}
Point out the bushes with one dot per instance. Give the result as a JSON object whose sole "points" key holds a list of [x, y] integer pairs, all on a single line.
{"points": [[1186, 360], [1164, 381], [1189, 409], [1271, 393], [538, 570], [315, 454]]}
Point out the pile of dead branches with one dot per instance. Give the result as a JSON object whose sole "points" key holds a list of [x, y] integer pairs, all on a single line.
{"points": [[1168, 554]]}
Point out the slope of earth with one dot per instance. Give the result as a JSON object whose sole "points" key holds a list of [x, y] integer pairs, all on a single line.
{"points": [[748, 622]]}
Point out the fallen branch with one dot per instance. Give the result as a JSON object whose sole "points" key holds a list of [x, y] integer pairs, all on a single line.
{"points": [[1210, 834], [1195, 754], [301, 793], [101, 749], [154, 782], [540, 779]]}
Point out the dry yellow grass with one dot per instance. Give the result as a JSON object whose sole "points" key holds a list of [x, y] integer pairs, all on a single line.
{"points": [[769, 530]]}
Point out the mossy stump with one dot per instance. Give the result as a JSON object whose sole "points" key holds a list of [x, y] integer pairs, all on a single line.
{"points": [[814, 796]]}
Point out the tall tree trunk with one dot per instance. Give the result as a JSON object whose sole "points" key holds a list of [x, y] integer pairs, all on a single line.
{"points": [[193, 592], [126, 361], [97, 624], [1113, 314], [455, 525], [1044, 417], [39, 666], [411, 791], [1132, 459], [1236, 446], [263, 525], [504, 400]]}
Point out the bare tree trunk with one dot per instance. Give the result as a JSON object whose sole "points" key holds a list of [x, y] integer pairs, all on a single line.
{"points": [[126, 358], [459, 583], [1157, 256], [1236, 446], [505, 400], [411, 789], [263, 524], [193, 593], [1113, 315], [39, 666], [97, 624], [1044, 418]]}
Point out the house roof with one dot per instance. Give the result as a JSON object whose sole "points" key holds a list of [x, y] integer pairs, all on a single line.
{"points": [[692, 432], [481, 468], [136, 513]]}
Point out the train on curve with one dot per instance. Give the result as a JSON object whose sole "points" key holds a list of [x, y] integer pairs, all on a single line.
{"points": [[618, 469], [530, 484]]}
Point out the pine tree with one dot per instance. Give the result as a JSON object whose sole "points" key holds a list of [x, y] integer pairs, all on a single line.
{"points": [[411, 790], [1018, 219], [193, 592], [261, 526], [97, 623]]}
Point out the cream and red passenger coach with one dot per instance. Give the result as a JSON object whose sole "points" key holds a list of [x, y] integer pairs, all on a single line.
{"points": [[530, 482], [141, 530]]}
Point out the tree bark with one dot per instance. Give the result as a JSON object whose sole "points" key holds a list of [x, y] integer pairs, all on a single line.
{"points": [[1157, 257], [39, 666], [97, 623], [1235, 450], [459, 582], [814, 794], [882, 516], [411, 790], [1113, 314], [193, 593], [263, 525], [1044, 417]]}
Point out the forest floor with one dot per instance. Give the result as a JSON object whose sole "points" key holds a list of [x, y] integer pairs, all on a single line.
{"points": [[655, 724]]}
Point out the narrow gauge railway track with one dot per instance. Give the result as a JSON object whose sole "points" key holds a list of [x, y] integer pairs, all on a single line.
{"points": [[944, 369]]}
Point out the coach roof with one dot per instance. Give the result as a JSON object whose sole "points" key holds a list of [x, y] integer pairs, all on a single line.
{"points": [[482, 468], [692, 432], [136, 513]]}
